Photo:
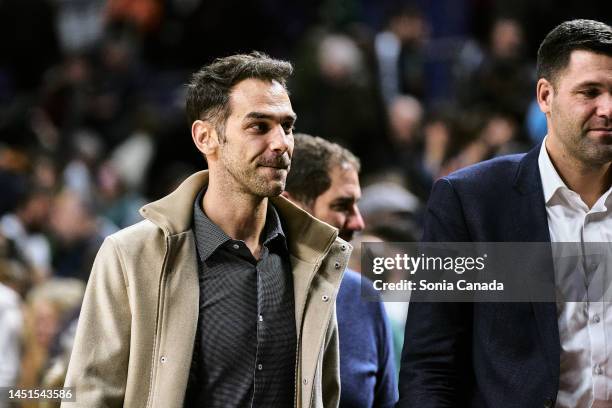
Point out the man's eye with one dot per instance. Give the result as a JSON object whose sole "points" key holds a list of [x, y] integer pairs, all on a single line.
{"points": [[590, 93], [340, 208], [288, 128], [260, 127]]}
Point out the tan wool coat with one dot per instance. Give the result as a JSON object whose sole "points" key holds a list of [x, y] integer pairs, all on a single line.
{"points": [[136, 331]]}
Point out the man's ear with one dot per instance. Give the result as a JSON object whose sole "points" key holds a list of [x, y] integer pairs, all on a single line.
{"points": [[544, 94], [205, 137]]}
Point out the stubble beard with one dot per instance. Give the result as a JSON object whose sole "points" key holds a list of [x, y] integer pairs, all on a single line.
{"points": [[248, 180], [576, 141]]}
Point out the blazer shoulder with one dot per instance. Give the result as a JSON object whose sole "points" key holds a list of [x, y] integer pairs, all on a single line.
{"points": [[501, 169]]}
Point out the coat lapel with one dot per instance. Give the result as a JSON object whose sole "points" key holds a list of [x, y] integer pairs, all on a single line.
{"points": [[532, 226]]}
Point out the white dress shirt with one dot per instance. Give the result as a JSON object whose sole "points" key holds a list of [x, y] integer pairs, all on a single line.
{"points": [[585, 328]]}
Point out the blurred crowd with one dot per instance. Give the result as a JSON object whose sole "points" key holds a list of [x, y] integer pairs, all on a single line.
{"points": [[92, 121]]}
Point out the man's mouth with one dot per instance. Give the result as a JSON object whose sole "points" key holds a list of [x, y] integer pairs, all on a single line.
{"points": [[275, 167], [280, 164]]}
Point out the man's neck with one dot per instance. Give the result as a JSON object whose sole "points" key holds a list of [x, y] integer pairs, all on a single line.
{"points": [[590, 182], [240, 215]]}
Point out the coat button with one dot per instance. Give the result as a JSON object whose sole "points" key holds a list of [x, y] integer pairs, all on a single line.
{"points": [[163, 359], [337, 265], [325, 298], [548, 403], [304, 381]]}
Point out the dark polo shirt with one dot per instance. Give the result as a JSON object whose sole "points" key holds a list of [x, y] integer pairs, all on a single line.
{"points": [[245, 346]]}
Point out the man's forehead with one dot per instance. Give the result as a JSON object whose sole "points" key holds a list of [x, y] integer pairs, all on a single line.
{"points": [[583, 63], [256, 95], [345, 181]]}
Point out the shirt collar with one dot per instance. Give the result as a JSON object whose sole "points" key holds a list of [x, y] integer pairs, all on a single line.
{"points": [[551, 181], [209, 236]]}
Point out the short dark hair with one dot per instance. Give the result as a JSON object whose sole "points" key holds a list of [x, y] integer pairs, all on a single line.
{"points": [[311, 164], [209, 89], [554, 52]]}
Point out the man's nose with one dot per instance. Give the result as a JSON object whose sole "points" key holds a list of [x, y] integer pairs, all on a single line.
{"points": [[355, 220], [280, 140], [604, 107]]}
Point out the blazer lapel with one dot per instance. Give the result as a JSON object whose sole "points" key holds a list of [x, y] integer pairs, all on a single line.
{"points": [[532, 226]]}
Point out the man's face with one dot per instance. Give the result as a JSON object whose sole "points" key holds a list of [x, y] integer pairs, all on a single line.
{"points": [[256, 153], [338, 205], [579, 109]]}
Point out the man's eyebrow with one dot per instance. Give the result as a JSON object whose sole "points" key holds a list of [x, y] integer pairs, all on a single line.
{"points": [[345, 200], [588, 84], [268, 116]]}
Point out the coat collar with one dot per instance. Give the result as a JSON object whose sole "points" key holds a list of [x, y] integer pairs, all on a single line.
{"points": [[527, 179], [531, 218], [308, 237], [532, 226]]}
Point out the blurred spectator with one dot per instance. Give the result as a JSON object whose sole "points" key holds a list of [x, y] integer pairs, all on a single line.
{"points": [[25, 227], [79, 24], [78, 232], [497, 136], [418, 149], [12, 273], [335, 93], [405, 115], [132, 158], [13, 187], [400, 52], [11, 322], [120, 201], [47, 306], [503, 80], [387, 205], [144, 14], [77, 174]]}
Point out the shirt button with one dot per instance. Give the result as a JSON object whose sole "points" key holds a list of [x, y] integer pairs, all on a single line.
{"points": [[343, 247], [163, 359], [598, 370], [305, 381], [260, 367], [260, 318], [325, 298], [236, 246], [596, 319], [337, 265]]}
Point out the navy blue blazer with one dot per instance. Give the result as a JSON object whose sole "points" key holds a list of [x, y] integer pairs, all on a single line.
{"points": [[483, 354]]}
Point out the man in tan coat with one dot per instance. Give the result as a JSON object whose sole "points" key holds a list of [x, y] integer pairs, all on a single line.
{"points": [[225, 294]]}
